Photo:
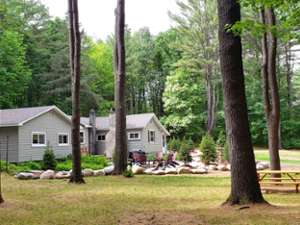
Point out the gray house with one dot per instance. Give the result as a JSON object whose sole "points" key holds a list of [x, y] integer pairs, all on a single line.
{"points": [[144, 131], [25, 133]]}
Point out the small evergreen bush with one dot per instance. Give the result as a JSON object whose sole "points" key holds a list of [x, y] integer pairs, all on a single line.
{"points": [[184, 152], [221, 139], [49, 161], [208, 149], [174, 145]]}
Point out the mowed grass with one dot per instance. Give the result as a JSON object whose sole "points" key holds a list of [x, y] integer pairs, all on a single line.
{"points": [[288, 157], [140, 200]]}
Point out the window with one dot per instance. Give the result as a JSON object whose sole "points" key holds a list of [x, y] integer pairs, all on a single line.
{"points": [[63, 139], [164, 140], [134, 136], [38, 139], [151, 136], [81, 137], [101, 137]]}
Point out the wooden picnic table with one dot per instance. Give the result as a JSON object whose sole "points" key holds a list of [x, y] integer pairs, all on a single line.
{"points": [[286, 178]]}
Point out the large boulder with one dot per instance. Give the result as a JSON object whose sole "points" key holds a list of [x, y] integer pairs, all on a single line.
{"points": [[184, 170], [48, 174], [99, 172], [25, 176], [262, 165], [62, 175], [170, 170], [158, 172], [222, 167], [87, 172], [37, 172], [199, 171], [228, 166], [136, 169], [148, 171], [109, 170], [212, 167]]}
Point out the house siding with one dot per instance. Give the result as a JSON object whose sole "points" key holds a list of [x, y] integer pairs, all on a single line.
{"points": [[135, 145], [101, 145], [52, 124], [12, 144], [157, 146]]}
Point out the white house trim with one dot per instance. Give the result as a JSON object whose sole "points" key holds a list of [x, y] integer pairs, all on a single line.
{"points": [[65, 134], [134, 132], [38, 133]]}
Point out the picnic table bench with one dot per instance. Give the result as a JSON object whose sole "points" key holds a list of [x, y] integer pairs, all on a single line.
{"points": [[286, 178]]}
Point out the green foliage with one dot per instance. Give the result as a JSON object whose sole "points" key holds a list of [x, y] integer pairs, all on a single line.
{"points": [[225, 152], [128, 172], [221, 139], [14, 168], [183, 106], [184, 152], [174, 144], [208, 149], [151, 156], [49, 161], [64, 165], [94, 162], [14, 74]]}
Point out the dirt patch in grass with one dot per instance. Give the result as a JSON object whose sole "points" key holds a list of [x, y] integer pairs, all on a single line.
{"points": [[160, 218]]}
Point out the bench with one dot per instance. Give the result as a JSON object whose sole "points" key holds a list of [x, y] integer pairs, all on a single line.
{"points": [[269, 183]]}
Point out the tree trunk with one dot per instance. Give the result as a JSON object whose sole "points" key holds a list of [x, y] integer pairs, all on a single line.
{"points": [[289, 74], [244, 182], [121, 134], [210, 101], [270, 88], [75, 46], [1, 198]]}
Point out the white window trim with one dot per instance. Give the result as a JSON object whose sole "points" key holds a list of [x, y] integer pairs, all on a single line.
{"points": [[152, 142], [101, 135], [83, 141], [67, 144], [134, 139], [38, 133]]}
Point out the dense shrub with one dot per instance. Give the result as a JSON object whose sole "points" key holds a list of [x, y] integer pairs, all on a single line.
{"points": [[49, 161], [174, 144], [64, 166], [94, 162], [2, 165], [184, 152], [32, 165], [128, 172], [208, 149], [221, 139], [190, 144]]}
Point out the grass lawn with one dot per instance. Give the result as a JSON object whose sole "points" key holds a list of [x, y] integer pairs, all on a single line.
{"points": [[287, 157], [179, 200]]}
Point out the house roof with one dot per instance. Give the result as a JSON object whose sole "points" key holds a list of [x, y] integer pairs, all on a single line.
{"points": [[17, 117], [135, 121]]}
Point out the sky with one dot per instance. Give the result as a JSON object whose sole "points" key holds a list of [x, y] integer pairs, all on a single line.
{"points": [[97, 16]]}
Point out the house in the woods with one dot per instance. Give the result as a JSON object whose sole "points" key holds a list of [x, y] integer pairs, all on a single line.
{"points": [[26, 132], [144, 132]]}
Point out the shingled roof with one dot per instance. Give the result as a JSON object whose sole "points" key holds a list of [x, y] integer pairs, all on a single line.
{"points": [[17, 117], [134, 121]]}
